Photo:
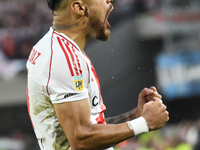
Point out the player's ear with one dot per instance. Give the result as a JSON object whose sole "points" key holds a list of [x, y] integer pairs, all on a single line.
{"points": [[78, 7]]}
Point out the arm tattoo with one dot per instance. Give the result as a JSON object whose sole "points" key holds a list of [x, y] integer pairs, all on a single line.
{"points": [[122, 118]]}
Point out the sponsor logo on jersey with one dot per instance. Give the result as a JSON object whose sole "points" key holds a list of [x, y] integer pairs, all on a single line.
{"points": [[78, 83]]}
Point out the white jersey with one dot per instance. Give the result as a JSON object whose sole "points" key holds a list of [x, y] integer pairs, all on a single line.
{"points": [[59, 72]]}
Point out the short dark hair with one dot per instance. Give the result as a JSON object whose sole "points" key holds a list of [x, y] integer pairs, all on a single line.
{"points": [[53, 3]]}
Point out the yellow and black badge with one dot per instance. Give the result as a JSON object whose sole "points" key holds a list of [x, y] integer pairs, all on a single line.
{"points": [[78, 83]]}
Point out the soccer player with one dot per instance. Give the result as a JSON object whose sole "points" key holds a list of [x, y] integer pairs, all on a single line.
{"points": [[63, 91]]}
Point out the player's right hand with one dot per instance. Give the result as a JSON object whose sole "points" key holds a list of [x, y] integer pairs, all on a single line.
{"points": [[155, 113]]}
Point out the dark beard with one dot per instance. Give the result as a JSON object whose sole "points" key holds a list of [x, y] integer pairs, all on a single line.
{"points": [[98, 27], [102, 35]]}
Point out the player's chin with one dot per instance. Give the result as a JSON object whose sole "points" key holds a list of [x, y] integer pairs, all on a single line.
{"points": [[104, 36], [104, 39], [107, 35]]}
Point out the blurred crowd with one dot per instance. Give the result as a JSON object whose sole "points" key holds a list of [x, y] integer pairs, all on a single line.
{"points": [[182, 136], [23, 22]]}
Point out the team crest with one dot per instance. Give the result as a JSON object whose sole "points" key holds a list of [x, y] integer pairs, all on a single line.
{"points": [[78, 83]]}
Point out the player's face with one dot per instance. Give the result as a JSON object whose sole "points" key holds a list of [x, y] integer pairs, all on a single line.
{"points": [[98, 18]]}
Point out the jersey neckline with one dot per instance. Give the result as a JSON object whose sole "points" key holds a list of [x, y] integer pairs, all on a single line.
{"points": [[68, 38]]}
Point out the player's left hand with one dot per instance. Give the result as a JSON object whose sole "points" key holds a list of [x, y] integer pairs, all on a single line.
{"points": [[146, 95], [152, 96]]}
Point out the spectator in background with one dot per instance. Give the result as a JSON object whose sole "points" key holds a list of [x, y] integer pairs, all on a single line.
{"points": [[197, 147], [153, 4], [9, 46], [126, 9]]}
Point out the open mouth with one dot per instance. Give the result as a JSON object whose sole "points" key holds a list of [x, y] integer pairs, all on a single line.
{"points": [[108, 14], [108, 24]]}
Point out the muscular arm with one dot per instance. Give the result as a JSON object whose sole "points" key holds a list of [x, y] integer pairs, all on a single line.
{"points": [[74, 118], [75, 121]]}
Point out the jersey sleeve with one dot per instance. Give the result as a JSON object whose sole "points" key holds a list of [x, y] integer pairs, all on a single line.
{"points": [[67, 74], [72, 89]]}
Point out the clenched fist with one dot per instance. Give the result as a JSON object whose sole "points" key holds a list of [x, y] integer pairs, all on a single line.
{"points": [[151, 107], [155, 113]]}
